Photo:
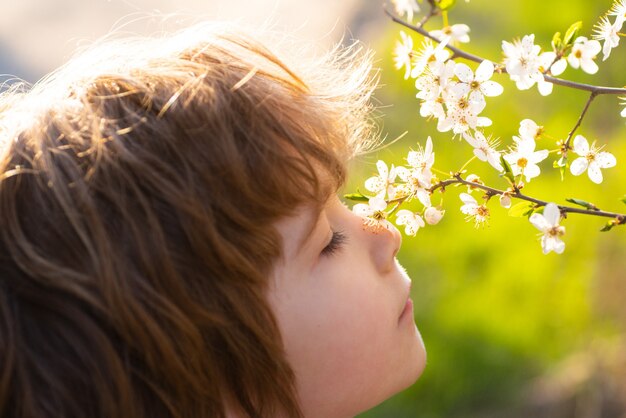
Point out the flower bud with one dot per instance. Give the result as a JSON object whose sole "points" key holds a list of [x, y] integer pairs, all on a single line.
{"points": [[505, 200], [474, 179], [432, 215]]}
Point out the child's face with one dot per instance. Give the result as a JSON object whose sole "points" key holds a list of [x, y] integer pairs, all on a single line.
{"points": [[344, 312]]}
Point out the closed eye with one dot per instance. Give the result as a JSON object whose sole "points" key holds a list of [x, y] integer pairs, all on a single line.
{"points": [[335, 244]]}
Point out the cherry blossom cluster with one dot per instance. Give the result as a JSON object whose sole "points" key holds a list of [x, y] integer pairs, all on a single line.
{"points": [[455, 95]]}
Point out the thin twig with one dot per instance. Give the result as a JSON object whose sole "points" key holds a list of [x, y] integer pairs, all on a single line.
{"points": [[457, 179], [579, 121]]}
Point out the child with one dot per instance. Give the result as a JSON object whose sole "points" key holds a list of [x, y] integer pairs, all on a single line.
{"points": [[172, 244]]}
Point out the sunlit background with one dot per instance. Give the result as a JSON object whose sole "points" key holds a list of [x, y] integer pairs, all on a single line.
{"points": [[510, 332]]}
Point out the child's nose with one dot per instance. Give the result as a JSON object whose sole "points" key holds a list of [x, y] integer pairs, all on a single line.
{"points": [[386, 241]]}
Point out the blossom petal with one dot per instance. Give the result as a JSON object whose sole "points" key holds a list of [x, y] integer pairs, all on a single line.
{"points": [[428, 149], [484, 71], [383, 171], [483, 121], [468, 199], [491, 88], [605, 160], [528, 128], [493, 157], [470, 139], [594, 173], [552, 214], [558, 67], [460, 89], [539, 222], [403, 173], [531, 171], [480, 154], [581, 145], [362, 209], [558, 246], [573, 61], [464, 72], [579, 165], [589, 66], [374, 184], [423, 196], [593, 47], [526, 146], [377, 203], [545, 88], [404, 216], [539, 156], [547, 244]]}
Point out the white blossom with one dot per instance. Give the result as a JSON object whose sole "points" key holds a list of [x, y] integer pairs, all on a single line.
{"points": [[406, 7], [428, 55], [471, 208], [383, 180], [403, 54], [548, 224], [417, 184], [478, 85], [473, 178], [618, 9], [524, 159], [412, 221], [373, 213], [590, 159], [608, 33], [433, 107], [548, 62], [522, 61], [505, 200], [529, 129], [623, 103], [422, 161], [462, 115], [454, 33], [556, 66], [434, 80], [483, 149], [583, 54], [433, 215]]}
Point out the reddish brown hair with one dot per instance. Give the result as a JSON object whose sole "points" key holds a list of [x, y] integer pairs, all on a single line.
{"points": [[139, 186]]}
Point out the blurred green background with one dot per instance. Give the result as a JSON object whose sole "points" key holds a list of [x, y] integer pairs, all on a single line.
{"points": [[511, 332]]}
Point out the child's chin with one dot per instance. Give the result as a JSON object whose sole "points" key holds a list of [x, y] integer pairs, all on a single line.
{"points": [[416, 361]]}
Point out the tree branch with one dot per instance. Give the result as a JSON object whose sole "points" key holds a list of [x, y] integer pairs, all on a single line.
{"points": [[597, 90], [620, 218]]}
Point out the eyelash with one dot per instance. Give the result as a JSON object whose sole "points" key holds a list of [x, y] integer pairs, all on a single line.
{"points": [[335, 244]]}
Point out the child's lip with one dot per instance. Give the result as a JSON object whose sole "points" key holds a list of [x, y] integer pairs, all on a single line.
{"points": [[408, 303], [407, 311]]}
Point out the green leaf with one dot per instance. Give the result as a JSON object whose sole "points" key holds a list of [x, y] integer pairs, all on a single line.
{"points": [[561, 162], [623, 199], [556, 41], [445, 4], [519, 209], [609, 225], [358, 197], [572, 32], [508, 172], [582, 203]]}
